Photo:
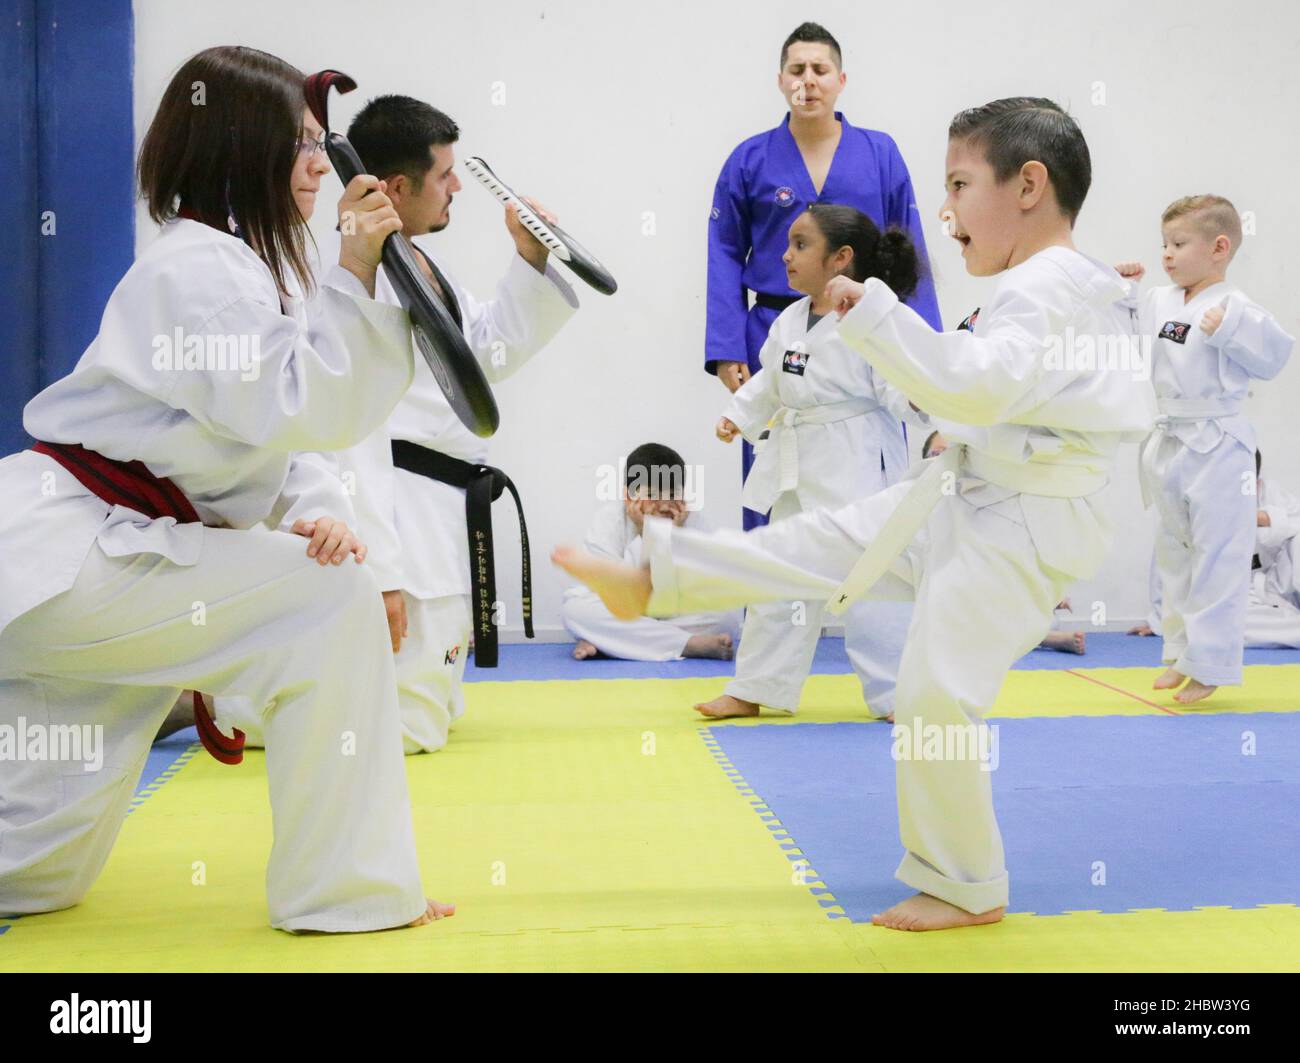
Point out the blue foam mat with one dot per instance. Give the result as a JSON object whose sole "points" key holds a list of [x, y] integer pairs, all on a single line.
{"points": [[163, 754], [552, 660], [1177, 814]]}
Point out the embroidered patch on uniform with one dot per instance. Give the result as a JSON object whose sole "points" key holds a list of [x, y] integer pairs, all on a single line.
{"points": [[968, 323], [1175, 330], [785, 196], [794, 362], [451, 655]]}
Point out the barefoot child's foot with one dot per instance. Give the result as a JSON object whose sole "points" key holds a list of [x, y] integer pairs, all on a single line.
{"points": [[923, 912], [715, 647], [584, 650], [725, 707], [433, 912], [625, 589], [1170, 680], [1194, 691], [1140, 629], [1065, 642]]}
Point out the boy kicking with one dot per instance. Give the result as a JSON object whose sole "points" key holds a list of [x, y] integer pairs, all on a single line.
{"points": [[993, 530]]}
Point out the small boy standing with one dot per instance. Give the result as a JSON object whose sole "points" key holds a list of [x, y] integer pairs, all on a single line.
{"points": [[1210, 341]]}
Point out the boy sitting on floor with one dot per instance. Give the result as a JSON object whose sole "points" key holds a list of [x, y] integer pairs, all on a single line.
{"points": [[654, 486]]}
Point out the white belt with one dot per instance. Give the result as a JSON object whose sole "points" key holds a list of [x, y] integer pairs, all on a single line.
{"points": [[1174, 412], [1195, 409], [764, 484], [939, 479]]}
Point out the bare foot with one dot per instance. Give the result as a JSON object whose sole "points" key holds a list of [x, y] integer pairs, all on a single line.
{"points": [[717, 647], [433, 912], [1172, 679], [625, 589], [1065, 642], [923, 912], [180, 717], [1140, 629], [1194, 691], [725, 707], [584, 650]]}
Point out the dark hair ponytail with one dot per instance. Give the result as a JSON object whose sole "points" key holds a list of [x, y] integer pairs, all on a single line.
{"points": [[896, 262], [890, 255]]}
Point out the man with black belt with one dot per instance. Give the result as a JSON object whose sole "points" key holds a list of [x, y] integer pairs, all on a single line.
{"points": [[813, 156], [422, 485]]}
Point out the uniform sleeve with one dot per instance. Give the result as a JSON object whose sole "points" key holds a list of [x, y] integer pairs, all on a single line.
{"points": [[1252, 338], [898, 404], [754, 402], [1283, 511], [313, 489], [977, 380], [528, 309], [730, 242], [901, 210], [319, 388], [606, 537], [368, 475], [1132, 303]]}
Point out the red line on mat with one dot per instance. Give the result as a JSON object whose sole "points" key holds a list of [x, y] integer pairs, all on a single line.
{"points": [[1126, 693]]}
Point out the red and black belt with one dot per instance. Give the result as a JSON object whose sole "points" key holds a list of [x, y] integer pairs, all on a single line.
{"points": [[131, 484]]}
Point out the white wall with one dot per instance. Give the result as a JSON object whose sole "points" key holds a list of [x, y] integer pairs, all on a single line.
{"points": [[612, 110]]}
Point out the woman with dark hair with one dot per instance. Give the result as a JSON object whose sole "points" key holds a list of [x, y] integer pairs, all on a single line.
{"points": [[836, 437], [135, 566]]}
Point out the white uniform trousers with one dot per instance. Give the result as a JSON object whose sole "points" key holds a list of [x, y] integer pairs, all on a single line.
{"points": [[1204, 557], [645, 638], [978, 563], [779, 641], [1273, 617], [429, 671], [276, 630]]}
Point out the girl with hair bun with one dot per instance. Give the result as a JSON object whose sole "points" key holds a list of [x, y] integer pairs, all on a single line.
{"points": [[835, 437]]}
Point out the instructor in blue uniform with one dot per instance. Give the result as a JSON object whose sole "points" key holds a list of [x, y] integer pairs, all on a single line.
{"points": [[813, 156]]}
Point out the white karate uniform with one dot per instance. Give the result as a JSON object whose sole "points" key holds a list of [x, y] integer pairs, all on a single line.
{"points": [[1198, 467], [1017, 517], [105, 615], [414, 528], [835, 438], [613, 535], [1273, 612], [1273, 616]]}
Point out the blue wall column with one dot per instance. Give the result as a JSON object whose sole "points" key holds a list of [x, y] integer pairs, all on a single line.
{"points": [[19, 219], [69, 227]]}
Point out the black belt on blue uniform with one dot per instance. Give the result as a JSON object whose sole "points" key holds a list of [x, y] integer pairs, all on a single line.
{"points": [[775, 302], [483, 485]]}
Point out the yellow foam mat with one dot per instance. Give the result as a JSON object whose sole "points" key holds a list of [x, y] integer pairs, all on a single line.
{"points": [[584, 825]]}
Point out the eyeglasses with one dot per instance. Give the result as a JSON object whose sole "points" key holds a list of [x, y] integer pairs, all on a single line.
{"points": [[308, 147]]}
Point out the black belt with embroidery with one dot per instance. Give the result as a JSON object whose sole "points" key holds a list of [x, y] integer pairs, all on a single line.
{"points": [[483, 485]]}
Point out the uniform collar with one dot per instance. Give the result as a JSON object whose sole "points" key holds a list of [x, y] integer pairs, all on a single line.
{"points": [[844, 123], [1099, 282]]}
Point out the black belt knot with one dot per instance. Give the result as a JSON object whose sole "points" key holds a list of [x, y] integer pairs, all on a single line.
{"points": [[483, 485]]}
